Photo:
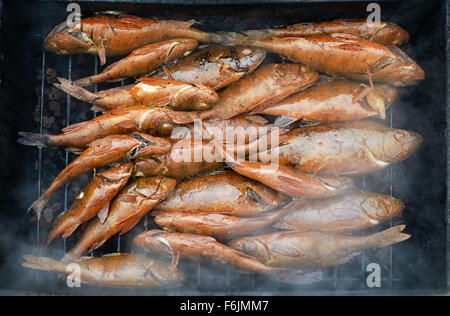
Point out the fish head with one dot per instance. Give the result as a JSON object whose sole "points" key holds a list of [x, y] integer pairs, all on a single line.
{"points": [[154, 188], [392, 145], [246, 59], [394, 34], [402, 71], [153, 241], [380, 207], [64, 40], [148, 146]]}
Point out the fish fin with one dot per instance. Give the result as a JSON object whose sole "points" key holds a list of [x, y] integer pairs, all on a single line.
{"points": [[130, 223], [167, 72], [102, 53], [71, 127], [174, 263], [154, 81], [74, 150], [284, 121], [33, 139], [103, 213], [97, 245], [289, 185], [300, 278], [69, 231], [75, 90], [256, 119]]}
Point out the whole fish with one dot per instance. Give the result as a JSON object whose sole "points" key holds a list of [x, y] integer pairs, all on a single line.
{"points": [[218, 226], [221, 192], [354, 147], [102, 152], [150, 120], [92, 200], [336, 100], [286, 180], [111, 35], [214, 66], [266, 86], [348, 57], [147, 92], [143, 60], [126, 210], [385, 33], [313, 250], [119, 269], [348, 212], [198, 247]]}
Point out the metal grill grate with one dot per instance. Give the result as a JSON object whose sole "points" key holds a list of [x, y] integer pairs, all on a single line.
{"points": [[336, 278]]}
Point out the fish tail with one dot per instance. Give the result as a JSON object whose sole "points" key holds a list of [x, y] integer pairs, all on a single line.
{"points": [[39, 205], [75, 90], [228, 38], [388, 237], [34, 139], [258, 34], [43, 263], [83, 82]]}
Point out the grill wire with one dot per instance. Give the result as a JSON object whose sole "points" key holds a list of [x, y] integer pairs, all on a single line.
{"points": [[200, 281]]}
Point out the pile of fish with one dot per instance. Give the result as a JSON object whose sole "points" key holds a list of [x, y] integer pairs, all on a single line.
{"points": [[282, 218]]}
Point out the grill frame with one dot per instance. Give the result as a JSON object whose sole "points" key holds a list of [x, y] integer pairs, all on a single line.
{"points": [[335, 280]]}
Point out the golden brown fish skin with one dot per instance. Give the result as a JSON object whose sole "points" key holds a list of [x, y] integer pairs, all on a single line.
{"points": [[336, 100], [102, 152], [348, 57], [150, 120], [221, 192], [348, 212], [386, 33], [198, 247], [355, 147], [119, 269], [266, 86], [143, 60], [173, 164], [214, 66], [116, 35], [219, 226], [127, 208], [146, 92], [313, 250], [94, 197]]}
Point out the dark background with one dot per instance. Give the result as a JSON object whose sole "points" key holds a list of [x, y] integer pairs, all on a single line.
{"points": [[418, 265]]}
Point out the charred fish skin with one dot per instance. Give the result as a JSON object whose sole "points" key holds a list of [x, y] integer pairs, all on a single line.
{"points": [[385, 33], [202, 248], [116, 35], [92, 200], [214, 66], [126, 210], [348, 212], [313, 250], [344, 148], [119, 269], [143, 60], [222, 192]]}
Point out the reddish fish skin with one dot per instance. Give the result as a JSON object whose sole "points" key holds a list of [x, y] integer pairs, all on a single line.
{"points": [[198, 247], [127, 208], [143, 60], [385, 33], [221, 192], [266, 86], [150, 120], [332, 101], [146, 92], [102, 152], [355, 147], [313, 250], [94, 197], [218, 226], [347, 57], [112, 270], [348, 212], [116, 35], [214, 66]]}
